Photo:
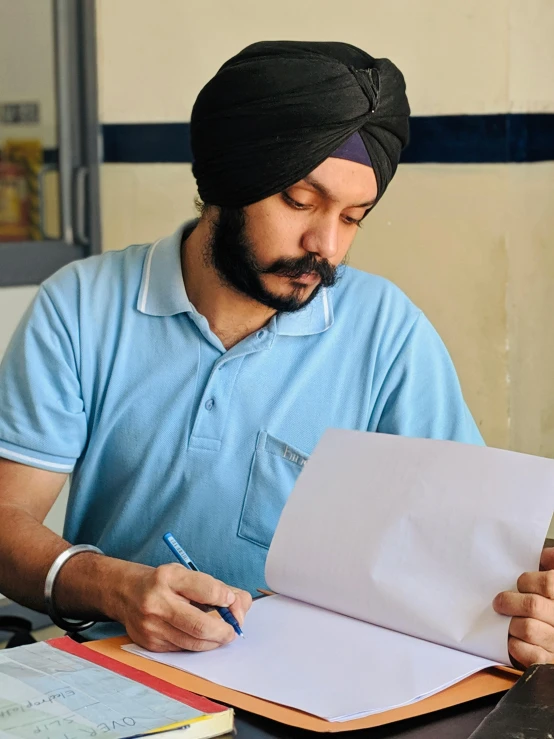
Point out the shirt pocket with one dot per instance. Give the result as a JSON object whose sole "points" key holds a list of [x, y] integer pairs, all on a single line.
{"points": [[273, 473]]}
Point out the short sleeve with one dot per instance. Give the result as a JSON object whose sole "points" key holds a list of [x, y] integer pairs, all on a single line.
{"points": [[421, 394], [42, 415]]}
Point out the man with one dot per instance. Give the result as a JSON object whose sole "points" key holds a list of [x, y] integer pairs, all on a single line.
{"points": [[183, 383]]}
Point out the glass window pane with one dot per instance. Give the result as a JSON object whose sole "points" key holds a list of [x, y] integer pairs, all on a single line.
{"points": [[29, 190]]}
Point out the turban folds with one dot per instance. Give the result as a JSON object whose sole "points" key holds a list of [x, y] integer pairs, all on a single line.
{"points": [[278, 109]]}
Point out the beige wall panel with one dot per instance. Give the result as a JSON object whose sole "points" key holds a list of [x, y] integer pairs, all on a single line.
{"points": [[27, 66], [439, 235], [142, 202], [51, 195], [531, 69], [55, 518], [143, 59], [531, 301], [14, 301], [155, 56]]}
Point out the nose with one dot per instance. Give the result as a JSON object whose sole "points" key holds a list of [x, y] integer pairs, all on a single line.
{"points": [[322, 239]]}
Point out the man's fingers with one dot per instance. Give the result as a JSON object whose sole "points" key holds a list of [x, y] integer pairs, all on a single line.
{"points": [[196, 586], [158, 645], [533, 632], [527, 654], [547, 559], [179, 625], [526, 605], [150, 635], [241, 606], [201, 626], [541, 583], [169, 612], [181, 640], [166, 638]]}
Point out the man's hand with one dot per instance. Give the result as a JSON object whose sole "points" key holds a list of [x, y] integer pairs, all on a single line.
{"points": [[532, 609], [154, 605], [159, 615]]}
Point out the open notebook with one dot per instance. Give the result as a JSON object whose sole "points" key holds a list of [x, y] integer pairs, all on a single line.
{"points": [[386, 560], [62, 690]]}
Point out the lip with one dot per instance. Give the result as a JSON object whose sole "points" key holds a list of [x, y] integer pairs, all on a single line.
{"points": [[309, 278]]}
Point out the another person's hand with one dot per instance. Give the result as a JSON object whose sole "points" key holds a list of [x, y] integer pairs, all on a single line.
{"points": [[157, 608], [531, 630]]}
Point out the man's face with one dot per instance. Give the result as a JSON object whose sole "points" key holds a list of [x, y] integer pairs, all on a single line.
{"points": [[282, 250]]}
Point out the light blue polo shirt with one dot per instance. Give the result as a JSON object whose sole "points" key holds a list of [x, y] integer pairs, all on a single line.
{"points": [[114, 377]]}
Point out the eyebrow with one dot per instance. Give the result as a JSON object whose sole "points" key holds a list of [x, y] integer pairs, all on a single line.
{"points": [[326, 193]]}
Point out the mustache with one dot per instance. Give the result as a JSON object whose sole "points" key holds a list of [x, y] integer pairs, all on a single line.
{"points": [[295, 268]]}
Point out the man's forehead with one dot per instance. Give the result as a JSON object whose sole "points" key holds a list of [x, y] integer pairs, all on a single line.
{"points": [[339, 182]]}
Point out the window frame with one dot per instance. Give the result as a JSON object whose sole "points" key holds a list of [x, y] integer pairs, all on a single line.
{"points": [[31, 262]]}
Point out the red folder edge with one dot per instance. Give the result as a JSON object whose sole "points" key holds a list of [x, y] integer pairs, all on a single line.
{"points": [[67, 644]]}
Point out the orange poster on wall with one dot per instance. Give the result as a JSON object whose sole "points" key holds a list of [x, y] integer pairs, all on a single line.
{"points": [[14, 203]]}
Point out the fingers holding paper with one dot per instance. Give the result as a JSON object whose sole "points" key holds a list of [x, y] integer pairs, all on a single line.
{"points": [[161, 614], [531, 630]]}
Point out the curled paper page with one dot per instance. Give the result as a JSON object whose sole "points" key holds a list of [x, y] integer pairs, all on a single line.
{"points": [[414, 535]]}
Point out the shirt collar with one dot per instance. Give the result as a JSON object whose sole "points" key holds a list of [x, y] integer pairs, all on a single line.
{"points": [[315, 318], [162, 292]]}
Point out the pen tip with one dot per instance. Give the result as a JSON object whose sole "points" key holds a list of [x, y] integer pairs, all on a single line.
{"points": [[242, 635]]}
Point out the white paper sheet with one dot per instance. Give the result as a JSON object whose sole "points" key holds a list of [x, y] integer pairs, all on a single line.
{"points": [[325, 664], [414, 535]]}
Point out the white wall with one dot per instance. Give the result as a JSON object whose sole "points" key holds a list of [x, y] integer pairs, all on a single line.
{"points": [[458, 56], [13, 304], [27, 65]]}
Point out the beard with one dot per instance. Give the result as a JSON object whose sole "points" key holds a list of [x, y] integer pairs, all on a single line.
{"points": [[232, 254]]}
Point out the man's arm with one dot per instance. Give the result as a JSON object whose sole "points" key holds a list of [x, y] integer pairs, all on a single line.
{"points": [[154, 604], [421, 394], [26, 496]]}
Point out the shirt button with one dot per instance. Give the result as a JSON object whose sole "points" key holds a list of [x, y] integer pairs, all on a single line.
{"points": [[261, 334], [210, 404]]}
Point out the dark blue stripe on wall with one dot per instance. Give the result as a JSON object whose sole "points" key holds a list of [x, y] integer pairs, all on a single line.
{"points": [[147, 142], [516, 137], [479, 139]]}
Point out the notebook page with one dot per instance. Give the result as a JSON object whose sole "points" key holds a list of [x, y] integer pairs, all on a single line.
{"points": [[323, 663], [415, 535], [51, 694]]}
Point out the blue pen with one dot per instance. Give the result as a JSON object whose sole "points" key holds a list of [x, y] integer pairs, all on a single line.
{"points": [[185, 560]]}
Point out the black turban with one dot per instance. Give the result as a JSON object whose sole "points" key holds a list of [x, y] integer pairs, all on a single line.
{"points": [[278, 109]]}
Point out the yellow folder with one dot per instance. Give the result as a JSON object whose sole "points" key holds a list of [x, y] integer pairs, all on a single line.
{"points": [[487, 682]]}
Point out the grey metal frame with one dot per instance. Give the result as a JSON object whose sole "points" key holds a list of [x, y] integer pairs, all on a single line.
{"points": [[31, 262]]}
